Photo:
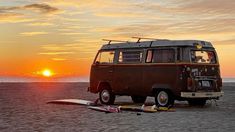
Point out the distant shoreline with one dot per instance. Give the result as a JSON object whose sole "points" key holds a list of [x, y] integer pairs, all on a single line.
{"points": [[45, 82], [226, 83]]}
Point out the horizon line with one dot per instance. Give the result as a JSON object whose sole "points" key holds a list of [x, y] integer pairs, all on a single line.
{"points": [[68, 80]]}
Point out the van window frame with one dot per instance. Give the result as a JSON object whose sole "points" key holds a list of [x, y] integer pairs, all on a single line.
{"points": [[161, 48], [179, 54], [121, 50]]}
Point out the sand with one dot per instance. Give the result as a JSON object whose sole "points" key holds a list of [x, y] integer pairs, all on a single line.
{"points": [[23, 108]]}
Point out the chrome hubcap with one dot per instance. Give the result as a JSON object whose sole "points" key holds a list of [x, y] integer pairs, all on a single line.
{"points": [[162, 98], [105, 96]]}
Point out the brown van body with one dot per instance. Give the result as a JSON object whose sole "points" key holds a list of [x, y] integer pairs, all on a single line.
{"points": [[181, 77]]}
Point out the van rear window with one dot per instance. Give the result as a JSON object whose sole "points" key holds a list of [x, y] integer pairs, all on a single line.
{"points": [[203, 56], [160, 56], [130, 56]]}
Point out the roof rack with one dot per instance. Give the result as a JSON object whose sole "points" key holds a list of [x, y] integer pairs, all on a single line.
{"points": [[109, 41], [139, 38]]}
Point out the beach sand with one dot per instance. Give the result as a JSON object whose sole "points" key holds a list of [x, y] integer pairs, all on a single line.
{"points": [[23, 107]]}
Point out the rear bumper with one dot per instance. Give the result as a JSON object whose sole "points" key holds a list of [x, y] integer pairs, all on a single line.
{"points": [[202, 94]]}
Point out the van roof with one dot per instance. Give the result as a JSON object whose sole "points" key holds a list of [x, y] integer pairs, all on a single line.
{"points": [[157, 43]]}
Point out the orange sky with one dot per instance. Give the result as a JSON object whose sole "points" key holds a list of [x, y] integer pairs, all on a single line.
{"points": [[64, 36]]}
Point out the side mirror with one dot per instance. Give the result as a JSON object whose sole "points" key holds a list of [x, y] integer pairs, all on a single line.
{"points": [[97, 62]]}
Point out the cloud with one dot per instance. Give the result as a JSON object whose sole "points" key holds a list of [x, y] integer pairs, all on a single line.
{"points": [[41, 8], [64, 29], [13, 18], [190, 7], [58, 49], [221, 29], [85, 58], [40, 24], [58, 59], [33, 33], [101, 8], [74, 33], [68, 51], [55, 47], [225, 42], [203, 26], [17, 14], [82, 46], [56, 53], [101, 4], [211, 6], [130, 30], [120, 14]]}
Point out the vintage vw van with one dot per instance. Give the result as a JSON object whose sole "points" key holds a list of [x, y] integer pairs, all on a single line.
{"points": [[165, 69]]}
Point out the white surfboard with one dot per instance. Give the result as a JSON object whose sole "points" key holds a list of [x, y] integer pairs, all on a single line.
{"points": [[73, 101], [106, 109], [137, 108]]}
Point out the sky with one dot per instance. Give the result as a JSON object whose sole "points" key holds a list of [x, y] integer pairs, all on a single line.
{"points": [[64, 35]]}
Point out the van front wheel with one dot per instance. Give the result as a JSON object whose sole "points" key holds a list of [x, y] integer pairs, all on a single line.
{"points": [[163, 98], [138, 99], [106, 96]]}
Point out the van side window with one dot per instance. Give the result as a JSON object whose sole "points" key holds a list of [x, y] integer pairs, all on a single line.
{"points": [[149, 56], [105, 57], [160, 56], [130, 56]]}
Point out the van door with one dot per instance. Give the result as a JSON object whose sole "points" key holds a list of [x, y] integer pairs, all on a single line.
{"points": [[102, 69], [128, 72], [160, 70]]}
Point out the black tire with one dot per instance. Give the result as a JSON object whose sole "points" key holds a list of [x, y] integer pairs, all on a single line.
{"points": [[138, 99], [106, 96], [197, 102], [164, 98]]}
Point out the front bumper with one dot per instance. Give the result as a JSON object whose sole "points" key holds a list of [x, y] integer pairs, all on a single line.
{"points": [[202, 94]]}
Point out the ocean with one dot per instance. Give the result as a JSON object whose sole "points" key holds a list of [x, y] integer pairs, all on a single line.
{"points": [[23, 108], [228, 80]]}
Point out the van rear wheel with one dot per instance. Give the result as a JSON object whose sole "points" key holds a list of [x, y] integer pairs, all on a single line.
{"points": [[164, 98], [106, 96], [138, 99], [197, 102]]}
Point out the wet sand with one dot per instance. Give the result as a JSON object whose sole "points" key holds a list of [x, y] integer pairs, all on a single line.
{"points": [[23, 108]]}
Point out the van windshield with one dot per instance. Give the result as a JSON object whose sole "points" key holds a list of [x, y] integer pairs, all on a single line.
{"points": [[105, 57], [203, 56]]}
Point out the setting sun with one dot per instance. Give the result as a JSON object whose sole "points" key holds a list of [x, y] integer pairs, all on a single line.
{"points": [[47, 73]]}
